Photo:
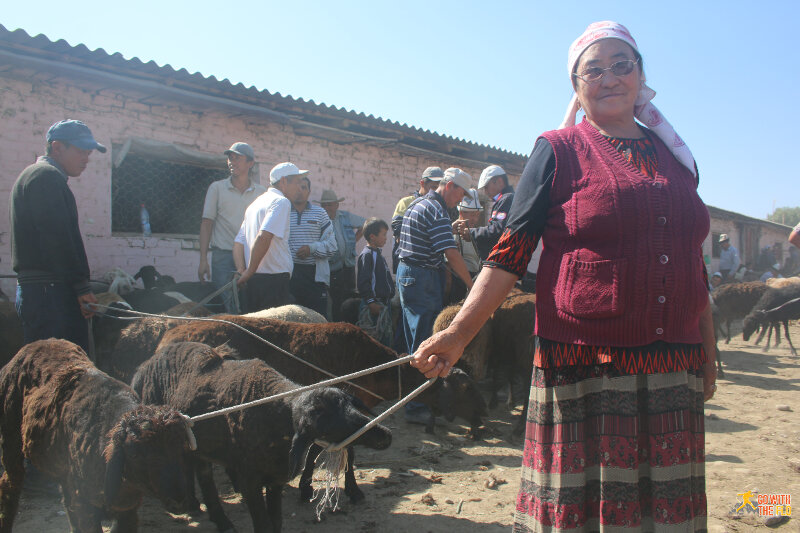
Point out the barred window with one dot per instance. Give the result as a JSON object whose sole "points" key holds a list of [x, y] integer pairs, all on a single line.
{"points": [[172, 187]]}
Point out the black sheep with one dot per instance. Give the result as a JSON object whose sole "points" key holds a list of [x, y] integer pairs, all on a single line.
{"points": [[776, 306], [196, 291], [264, 446], [733, 301], [340, 349], [89, 432]]}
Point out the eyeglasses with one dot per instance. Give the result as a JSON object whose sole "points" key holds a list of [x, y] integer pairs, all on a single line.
{"points": [[619, 69]]}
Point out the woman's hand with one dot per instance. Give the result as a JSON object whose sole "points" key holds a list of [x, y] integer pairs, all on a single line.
{"points": [[437, 354]]}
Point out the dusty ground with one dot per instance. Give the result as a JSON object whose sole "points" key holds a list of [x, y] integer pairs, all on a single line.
{"points": [[437, 483]]}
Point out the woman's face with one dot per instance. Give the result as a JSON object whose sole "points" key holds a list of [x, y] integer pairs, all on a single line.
{"points": [[611, 98]]}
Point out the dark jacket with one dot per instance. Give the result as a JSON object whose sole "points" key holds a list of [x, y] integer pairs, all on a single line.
{"points": [[46, 243], [372, 265], [487, 236]]}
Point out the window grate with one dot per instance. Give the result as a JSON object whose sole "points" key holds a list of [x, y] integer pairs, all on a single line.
{"points": [[173, 193]]}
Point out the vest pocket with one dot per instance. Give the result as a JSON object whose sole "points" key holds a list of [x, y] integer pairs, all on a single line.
{"points": [[590, 289]]}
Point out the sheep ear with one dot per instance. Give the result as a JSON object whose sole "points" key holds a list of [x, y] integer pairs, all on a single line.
{"points": [[297, 454], [113, 479]]}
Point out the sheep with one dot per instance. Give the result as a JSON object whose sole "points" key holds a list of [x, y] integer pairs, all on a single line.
{"points": [[340, 349], [476, 353], [188, 309], [120, 281], [11, 335], [105, 331], [776, 306], [195, 291], [783, 282], [262, 446], [290, 313], [512, 343], [733, 301], [136, 342], [89, 432]]}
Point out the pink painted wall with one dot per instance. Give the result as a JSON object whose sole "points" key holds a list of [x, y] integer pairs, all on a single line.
{"points": [[371, 178]]}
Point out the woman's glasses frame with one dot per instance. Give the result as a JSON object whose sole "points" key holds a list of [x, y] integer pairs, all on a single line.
{"points": [[619, 69]]}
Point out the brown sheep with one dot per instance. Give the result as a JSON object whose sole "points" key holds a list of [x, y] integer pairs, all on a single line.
{"points": [[90, 433], [105, 331], [477, 351], [263, 446], [777, 283], [512, 348], [11, 337], [136, 342]]}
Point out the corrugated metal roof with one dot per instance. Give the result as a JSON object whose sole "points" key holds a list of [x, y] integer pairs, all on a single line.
{"points": [[323, 115]]}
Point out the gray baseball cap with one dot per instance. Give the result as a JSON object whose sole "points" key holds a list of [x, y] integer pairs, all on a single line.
{"points": [[433, 174], [458, 177], [242, 149]]}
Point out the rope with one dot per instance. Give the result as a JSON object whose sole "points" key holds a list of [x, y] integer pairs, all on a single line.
{"points": [[305, 388], [784, 304], [96, 307], [333, 459], [216, 293]]}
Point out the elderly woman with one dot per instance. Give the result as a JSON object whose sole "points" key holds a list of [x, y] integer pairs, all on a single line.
{"points": [[615, 434]]}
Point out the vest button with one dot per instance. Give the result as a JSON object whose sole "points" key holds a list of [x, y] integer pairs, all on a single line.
{"points": [[659, 331], [662, 299], [662, 220], [663, 259]]}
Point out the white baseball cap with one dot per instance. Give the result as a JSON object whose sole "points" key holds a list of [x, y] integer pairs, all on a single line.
{"points": [[283, 170], [458, 177], [488, 173], [470, 201]]}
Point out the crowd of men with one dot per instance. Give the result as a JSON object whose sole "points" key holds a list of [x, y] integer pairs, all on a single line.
{"points": [[279, 246]]}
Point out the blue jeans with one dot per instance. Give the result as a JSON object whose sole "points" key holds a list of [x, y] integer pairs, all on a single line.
{"points": [[421, 297], [222, 269], [51, 310]]}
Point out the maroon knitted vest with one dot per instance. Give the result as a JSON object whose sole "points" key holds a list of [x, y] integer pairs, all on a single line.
{"points": [[621, 261]]}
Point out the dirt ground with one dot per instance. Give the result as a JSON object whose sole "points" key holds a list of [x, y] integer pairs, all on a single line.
{"points": [[438, 483]]}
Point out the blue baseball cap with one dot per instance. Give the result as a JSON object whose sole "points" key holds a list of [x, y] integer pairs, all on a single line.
{"points": [[76, 133]]}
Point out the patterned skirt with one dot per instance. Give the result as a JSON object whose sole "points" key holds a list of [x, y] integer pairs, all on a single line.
{"points": [[606, 451]]}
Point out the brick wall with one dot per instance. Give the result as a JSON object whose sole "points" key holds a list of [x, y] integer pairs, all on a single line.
{"points": [[371, 178]]}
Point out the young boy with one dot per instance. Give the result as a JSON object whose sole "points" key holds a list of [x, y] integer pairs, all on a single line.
{"points": [[374, 280]]}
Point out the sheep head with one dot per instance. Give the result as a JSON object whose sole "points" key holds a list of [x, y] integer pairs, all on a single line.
{"points": [[752, 322], [148, 450], [459, 396], [330, 415]]}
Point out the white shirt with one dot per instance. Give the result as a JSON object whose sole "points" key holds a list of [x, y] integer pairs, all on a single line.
{"points": [[269, 212]]}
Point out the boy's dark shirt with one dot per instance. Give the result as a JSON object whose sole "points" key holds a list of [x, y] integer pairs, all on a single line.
{"points": [[367, 263]]}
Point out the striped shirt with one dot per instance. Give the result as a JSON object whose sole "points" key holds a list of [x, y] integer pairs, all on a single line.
{"points": [[426, 232], [309, 228]]}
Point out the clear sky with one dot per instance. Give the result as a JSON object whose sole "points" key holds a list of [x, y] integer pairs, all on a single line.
{"points": [[726, 72]]}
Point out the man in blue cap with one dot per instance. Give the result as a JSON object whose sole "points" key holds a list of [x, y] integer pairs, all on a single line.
{"points": [[46, 246]]}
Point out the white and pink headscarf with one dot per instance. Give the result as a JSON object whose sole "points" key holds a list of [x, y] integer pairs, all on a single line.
{"points": [[643, 109]]}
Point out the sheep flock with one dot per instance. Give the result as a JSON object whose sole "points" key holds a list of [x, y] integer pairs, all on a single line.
{"points": [[113, 426]]}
